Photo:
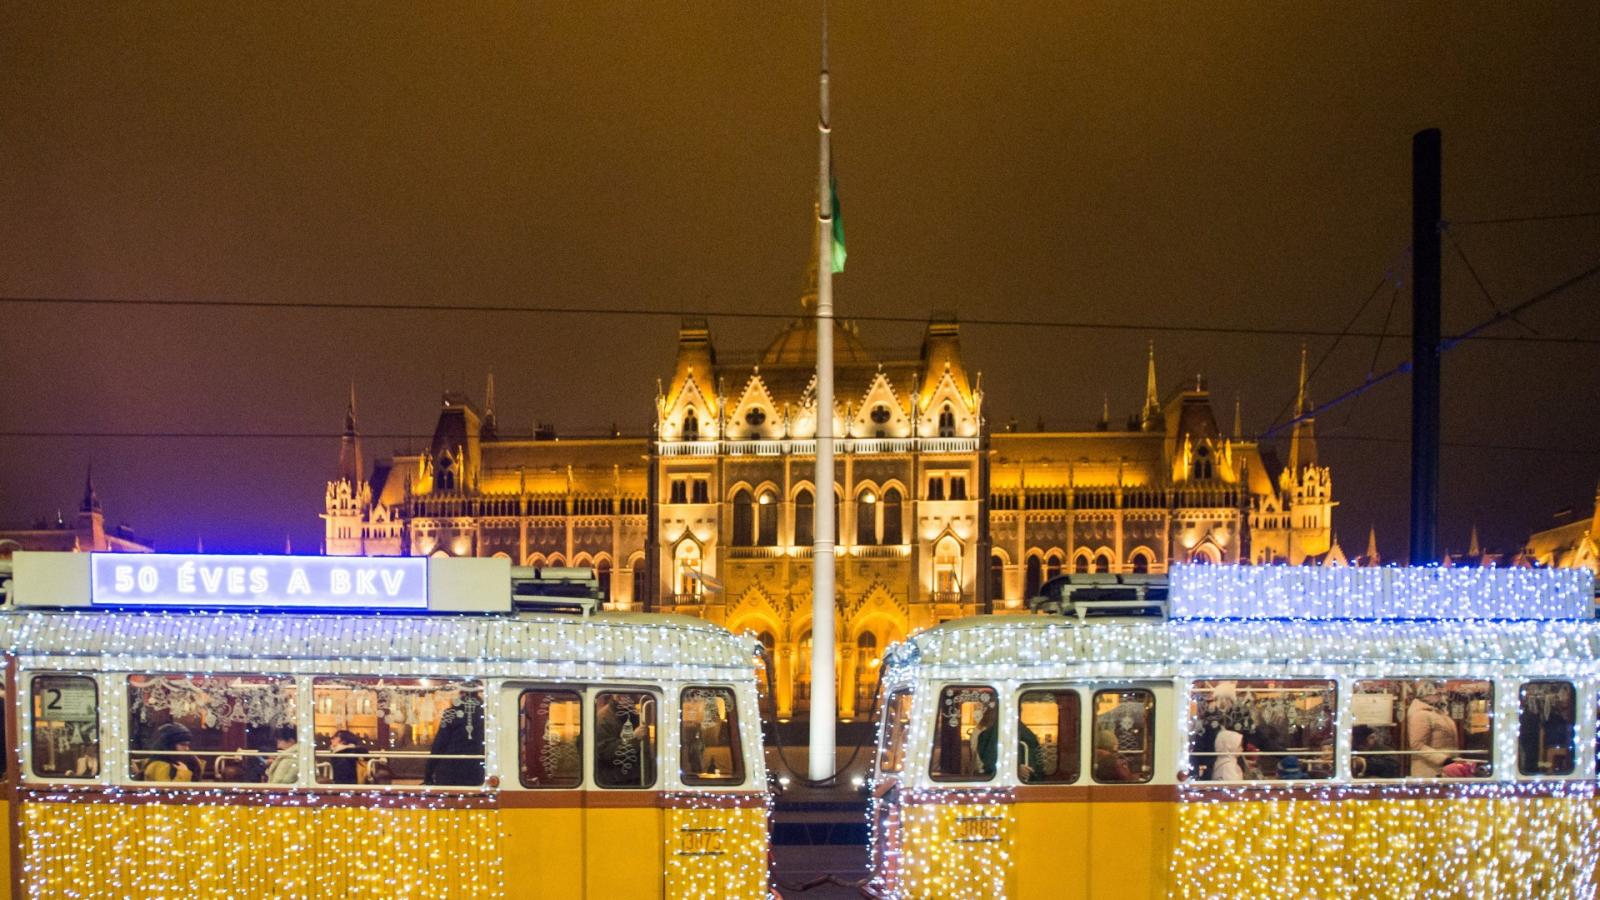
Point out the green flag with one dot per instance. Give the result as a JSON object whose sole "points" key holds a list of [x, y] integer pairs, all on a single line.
{"points": [[838, 226]]}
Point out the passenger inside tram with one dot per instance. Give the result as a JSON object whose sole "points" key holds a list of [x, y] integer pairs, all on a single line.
{"points": [[1243, 729], [1545, 728], [1432, 728]]}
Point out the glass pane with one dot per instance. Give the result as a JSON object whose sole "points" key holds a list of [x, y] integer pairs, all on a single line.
{"points": [[410, 731], [185, 728], [1124, 736], [896, 725], [1246, 730], [966, 734], [66, 726], [624, 739], [1048, 751], [1545, 738], [710, 737], [552, 739], [1422, 728]]}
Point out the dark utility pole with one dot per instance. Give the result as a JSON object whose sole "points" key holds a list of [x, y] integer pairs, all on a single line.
{"points": [[1425, 223]]}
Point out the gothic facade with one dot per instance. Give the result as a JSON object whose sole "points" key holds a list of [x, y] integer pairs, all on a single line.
{"points": [[936, 517]]}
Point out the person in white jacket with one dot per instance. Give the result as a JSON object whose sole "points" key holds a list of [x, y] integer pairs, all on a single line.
{"points": [[1430, 734], [1230, 744]]}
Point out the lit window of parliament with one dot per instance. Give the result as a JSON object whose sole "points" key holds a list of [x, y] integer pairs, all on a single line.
{"points": [[937, 517]]}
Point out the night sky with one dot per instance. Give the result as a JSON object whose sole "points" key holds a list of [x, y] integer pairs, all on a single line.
{"points": [[1244, 165]]}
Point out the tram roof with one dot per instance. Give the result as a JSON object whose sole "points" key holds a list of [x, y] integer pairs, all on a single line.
{"points": [[996, 644], [531, 645]]}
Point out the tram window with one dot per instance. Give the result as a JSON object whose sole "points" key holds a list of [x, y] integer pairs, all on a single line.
{"points": [[1261, 729], [1545, 731], [1422, 728], [966, 734], [552, 739], [218, 728], [896, 726], [1047, 737], [1124, 736], [625, 739], [404, 731], [66, 726], [709, 737]]}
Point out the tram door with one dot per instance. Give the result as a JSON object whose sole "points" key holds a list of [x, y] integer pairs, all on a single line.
{"points": [[622, 815], [1090, 819]]}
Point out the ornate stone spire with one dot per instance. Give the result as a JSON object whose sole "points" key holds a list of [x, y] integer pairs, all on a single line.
{"points": [[1303, 440]]}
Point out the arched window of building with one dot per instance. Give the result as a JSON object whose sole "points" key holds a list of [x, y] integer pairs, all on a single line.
{"points": [[447, 472], [1141, 562], [805, 517], [947, 422], [892, 532], [1033, 580], [602, 574], [687, 566], [1102, 563], [997, 577], [1081, 564], [767, 520], [866, 518], [947, 570], [1200, 467], [691, 426], [1052, 566], [641, 584], [743, 519]]}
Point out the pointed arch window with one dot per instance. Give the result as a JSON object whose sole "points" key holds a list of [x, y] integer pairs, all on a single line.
{"points": [[641, 584], [893, 533], [1141, 562], [805, 512], [767, 520], [1201, 467], [947, 570], [1081, 564], [1052, 567], [867, 518], [1102, 563], [602, 574], [687, 576], [1034, 579], [743, 519], [691, 426], [947, 422], [997, 577]]}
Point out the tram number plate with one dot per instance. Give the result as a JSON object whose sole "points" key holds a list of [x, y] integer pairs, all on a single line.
{"points": [[700, 841], [977, 830]]}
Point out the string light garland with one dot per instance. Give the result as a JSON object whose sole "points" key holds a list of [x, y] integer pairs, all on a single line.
{"points": [[1502, 836]]}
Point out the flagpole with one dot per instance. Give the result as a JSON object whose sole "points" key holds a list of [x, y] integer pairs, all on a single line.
{"points": [[823, 716]]}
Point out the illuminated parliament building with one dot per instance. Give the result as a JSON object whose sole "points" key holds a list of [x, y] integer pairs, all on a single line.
{"points": [[938, 516]]}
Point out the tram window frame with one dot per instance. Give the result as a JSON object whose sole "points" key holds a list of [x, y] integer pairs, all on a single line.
{"points": [[576, 696], [734, 742], [96, 758], [959, 692], [1311, 760], [894, 733], [1066, 737], [1572, 730], [653, 757], [138, 760], [1150, 719], [1407, 690], [371, 753]]}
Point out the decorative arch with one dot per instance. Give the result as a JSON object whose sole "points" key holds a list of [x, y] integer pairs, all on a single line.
{"points": [[1082, 562], [1141, 560], [1205, 553], [1105, 561], [947, 555], [1054, 564], [687, 558], [1033, 575]]}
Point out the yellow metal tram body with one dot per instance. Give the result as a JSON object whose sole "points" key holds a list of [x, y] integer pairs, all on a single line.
{"points": [[1215, 758], [198, 754]]}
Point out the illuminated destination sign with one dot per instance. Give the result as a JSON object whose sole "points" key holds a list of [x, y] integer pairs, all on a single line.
{"points": [[264, 582]]}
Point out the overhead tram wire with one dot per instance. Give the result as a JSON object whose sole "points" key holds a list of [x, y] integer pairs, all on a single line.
{"points": [[981, 322], [1517, 220], [1444, 345], [418, 436]]}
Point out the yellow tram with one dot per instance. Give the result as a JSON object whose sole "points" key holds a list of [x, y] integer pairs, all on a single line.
{"points": [[1259, 732], [203, 726]]}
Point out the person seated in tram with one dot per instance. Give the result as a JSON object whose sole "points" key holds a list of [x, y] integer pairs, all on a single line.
{"points": [[346, 748], [1367, 761], [1226, 767], [1430, 732], [1109, 766], [986, 741], [460, 735], [285, 766], [1030, 755], [174, 742]]}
